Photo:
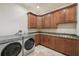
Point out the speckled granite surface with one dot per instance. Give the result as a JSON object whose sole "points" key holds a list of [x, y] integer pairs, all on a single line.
{"points": [[43, 51], [64, 35]]}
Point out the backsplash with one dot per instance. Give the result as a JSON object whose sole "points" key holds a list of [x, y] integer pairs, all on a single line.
{"points": [[69, 28], [33, 30]]}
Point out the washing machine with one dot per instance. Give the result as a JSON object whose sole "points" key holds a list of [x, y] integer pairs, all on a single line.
{"points": [[12, 47], [28, 45]]}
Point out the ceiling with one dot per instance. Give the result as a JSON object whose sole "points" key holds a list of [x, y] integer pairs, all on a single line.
{"points": [[44, 7]]}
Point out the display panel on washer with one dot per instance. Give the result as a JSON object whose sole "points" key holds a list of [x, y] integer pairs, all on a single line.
{"points": [[12, 49], [29, 44]]}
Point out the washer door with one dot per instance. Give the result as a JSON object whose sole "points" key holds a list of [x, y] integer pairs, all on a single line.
{"points": [[12, 49], [29, 44]]}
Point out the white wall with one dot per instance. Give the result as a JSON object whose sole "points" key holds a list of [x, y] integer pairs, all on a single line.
{"points": [[12, 18], [77, 19]]}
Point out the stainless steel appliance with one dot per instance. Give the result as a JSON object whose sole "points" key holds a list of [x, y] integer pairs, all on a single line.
{"points": [[12, 47], [28, 45]]}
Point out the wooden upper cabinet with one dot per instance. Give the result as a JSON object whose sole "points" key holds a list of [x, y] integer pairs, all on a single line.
{"points": [[56, 17], [53, 21], [32, 21], [43, 19], [39, 22], [46, 21], [59, 16], [70, 14]]}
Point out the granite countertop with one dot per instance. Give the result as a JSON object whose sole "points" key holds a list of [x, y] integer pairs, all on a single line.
{"points": [[10, 37], [64, 35]]}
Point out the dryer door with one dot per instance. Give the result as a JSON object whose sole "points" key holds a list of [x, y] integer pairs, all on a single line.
{"points": [[12, 49], [29, 44]]}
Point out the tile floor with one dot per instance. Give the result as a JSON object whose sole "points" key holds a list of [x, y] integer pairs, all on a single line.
{"points": [[43, 51]]}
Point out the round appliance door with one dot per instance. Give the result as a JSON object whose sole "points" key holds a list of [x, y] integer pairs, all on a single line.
{"points": [[29, 44], [12, 49]]}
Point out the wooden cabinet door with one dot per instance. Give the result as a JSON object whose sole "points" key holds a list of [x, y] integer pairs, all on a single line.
{"points": [[70, 15], [46, 21], [60, 45], [68, 47], [74, 45], [32, 21], [78, 48], [29, 21], [37, 39], [71, 47], [43, 19], [51, 42], [61, 16], [52, 21], [56, 17], [45, 38], [42, 39], [39, 22]]}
